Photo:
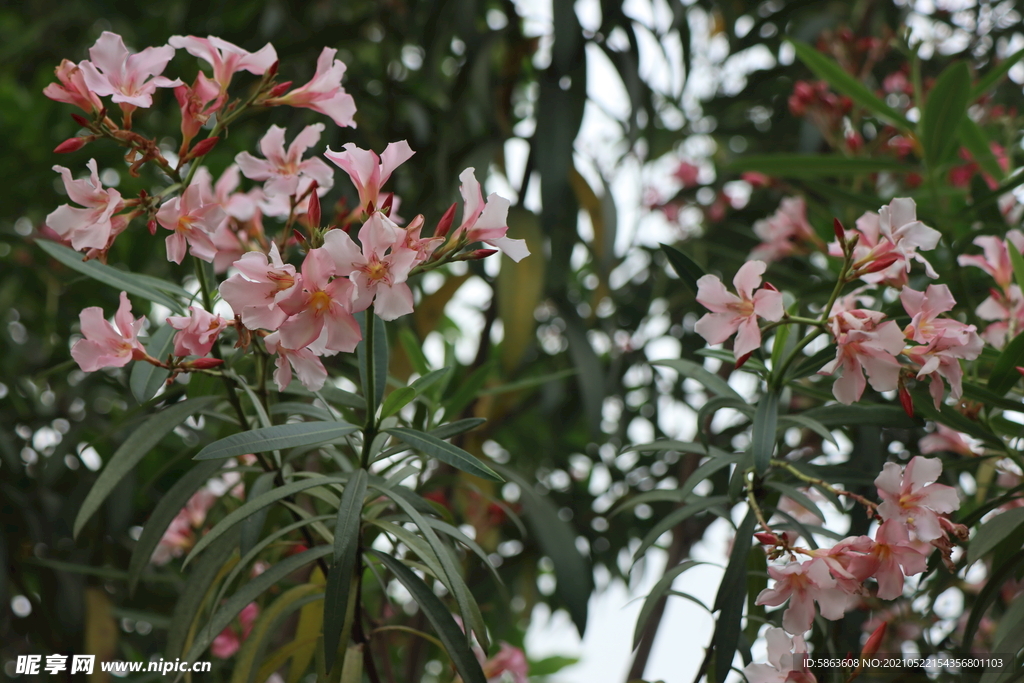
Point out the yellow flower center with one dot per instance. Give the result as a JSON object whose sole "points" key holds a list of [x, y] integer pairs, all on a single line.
{"points": [[320, 301]]}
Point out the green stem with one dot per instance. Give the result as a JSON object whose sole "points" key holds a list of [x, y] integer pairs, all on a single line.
{"points": [[370, 428]]}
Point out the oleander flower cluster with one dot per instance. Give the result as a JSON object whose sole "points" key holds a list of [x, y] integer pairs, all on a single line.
{"points": [[295, 293]]}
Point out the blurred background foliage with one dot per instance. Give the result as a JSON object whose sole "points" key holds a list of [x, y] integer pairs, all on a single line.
{"points": [[464, 81]]}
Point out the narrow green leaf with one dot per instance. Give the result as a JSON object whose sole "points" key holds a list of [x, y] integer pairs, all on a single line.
{"points": [[223, 617], [763, 435], [146, 379], [944, 112], [447, 431], [134, 449], [779, 343], [974, 139], [659, 590], [995, 75], [993, 584], [289, 601], [114, 277], [467, 391], [258, 503], [252, 526], [346, 548], [445, 452], [688, 271], [698, 372], [198, 588], [528, 383], [1018, 262], [993, 532], [804, 422], [732, 594], [375, 380], [429, 379], [413, 351], [839, 79], [1004, 373], [812, 166], [275, 438], [836, 416], [797, 496], [167, 508], [397, 400], [677, 516], [557, 540], [439, 617]]}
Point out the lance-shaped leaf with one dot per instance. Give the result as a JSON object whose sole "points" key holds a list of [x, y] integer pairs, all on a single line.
{"points": [[991, 78], [974, 139], [763, 436], [123, 280], [275, 438], [147, 378], [252, 526], [944, 112], [659, 591], [291, 600], [346, 549], [223, 617], [373, 380], [993, 532], [135, 449], [445, 452], [688, 271], [698, 372], [1004, 373], [732, 594], [439, 617], [167, 508]]}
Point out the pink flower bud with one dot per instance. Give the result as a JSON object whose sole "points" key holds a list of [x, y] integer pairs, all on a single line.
{"points": [[477, 254], [445, 224], [202, 363], [81, 120], [766, 538], [389, 201], [272, 71], [882, 262], [839, 230], [280, 89], [874, 641], [203, 147], [73, 144], [314, 206], [906, 400]]}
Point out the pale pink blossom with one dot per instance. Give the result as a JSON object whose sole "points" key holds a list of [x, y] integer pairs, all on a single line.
{"points": [[72, 88], [323, 93], [283, 169], [787, 661], [510, 660], [192, 218], [379, 270], [731, 313], [863, 344], [226, 58], [875, 259], [105, 345], [924, 309], [996, 258], [320, 304], [487, 222], [230, 639], [194, 103], [804, 584], [257, 289], [307, 366], [93, 226], [1006, 310], [199, 505], [909, 497], [948, 439], [197, 332], [842, 562], [423, 246], [892, 556], [129, 79], [898, 223], [784, 232], [369, 172], [177, 538]]}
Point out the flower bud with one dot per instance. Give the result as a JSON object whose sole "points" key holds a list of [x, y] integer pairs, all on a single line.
{"points": [[742, 359], [839, 230], [81, 120], [203, 147], [874, 641], [906, 400], [279, 89], [385, 206], [882, 262], [73, 144], [272, 71], [445, 224], [478, 254], [766, 538], [313, 213], [202, 363]]}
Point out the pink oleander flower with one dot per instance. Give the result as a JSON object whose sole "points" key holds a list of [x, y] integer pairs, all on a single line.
{"points": [[241, 206], [865, 344], [487, 222], [804, 584], [784, 232], [510, 659], [199, 505], [307, 365], [947, 439], [787, 661], [996, 258], [423, 246], [105, 345], [192, 218], [924, 309], [892, 556], [379, 270], [195, 106], [842, 562], [226, 58], [197, 332], [72, 88], [737, 314], [129, 79], [321, 303], [1006, 310], [257, 289], [282, 169], [368, 171], [875, 259], [176, 540], [909, 497], [323, 93], [230, 639], [898, 223], [93, 226]]}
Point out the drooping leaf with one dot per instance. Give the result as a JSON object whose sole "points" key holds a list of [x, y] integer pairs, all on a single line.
{"points": [[698, 372], [343, 566], [134, 449], [763, 435], [167, 508], [993, 532], [197, 590], [944, 112], [993, 585], [252, 526], [114, 277], [974, 139], [657, 592], [861, 414], [732, 594], [676, 517], [1017, 261], [688, 271], [275, 438], [827, 69], [996, 74], [146, 379], [396, 400], [445, 452], [439, 617], [248, 655], [804, 422], [1004, 374]]}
